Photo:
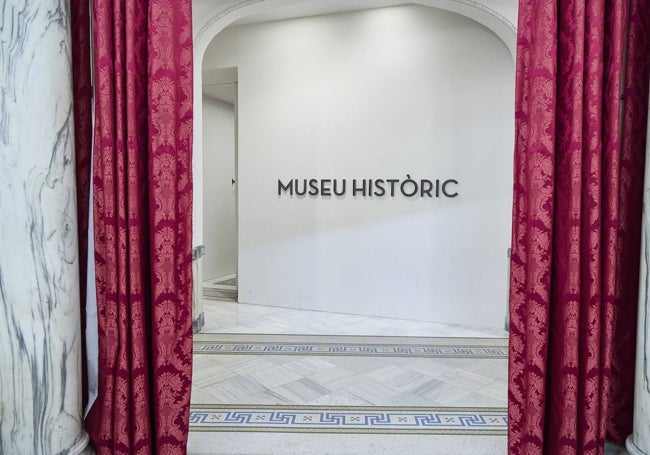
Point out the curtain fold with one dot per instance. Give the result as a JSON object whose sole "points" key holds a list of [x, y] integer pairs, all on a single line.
{"points": [[633, 145], [142, 204], [576, 223]]}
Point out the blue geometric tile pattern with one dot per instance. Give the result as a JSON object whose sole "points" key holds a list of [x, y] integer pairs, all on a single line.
{"points": [[483, 352], [342, 419]]}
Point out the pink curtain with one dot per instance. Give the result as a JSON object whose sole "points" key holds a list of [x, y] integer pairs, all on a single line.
{"points": [[576, 222], [142, 215], [633, 144]]}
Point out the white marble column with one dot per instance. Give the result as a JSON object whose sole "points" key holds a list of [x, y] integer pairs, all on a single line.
{"points": [[40, 383], [639, 442]]}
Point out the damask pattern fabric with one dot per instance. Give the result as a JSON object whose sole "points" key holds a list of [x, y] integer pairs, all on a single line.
{"points": [[635, 109], [576, 224], [142, 216]]}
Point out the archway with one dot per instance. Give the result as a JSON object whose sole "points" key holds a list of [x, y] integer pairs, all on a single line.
{"points": [[408, 380], [218, 20]]}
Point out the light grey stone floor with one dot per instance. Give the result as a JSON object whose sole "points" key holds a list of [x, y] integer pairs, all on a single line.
{"points": [[232, 317], [342, 381], [343, 444], [349, 381]]}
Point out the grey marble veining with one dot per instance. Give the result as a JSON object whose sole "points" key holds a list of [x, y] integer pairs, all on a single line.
{"points": [[351, 381], [40, 393], [639, 442]]}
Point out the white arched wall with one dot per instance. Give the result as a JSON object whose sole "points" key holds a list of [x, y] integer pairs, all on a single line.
{"points": [[212, 21], [499, 16]]}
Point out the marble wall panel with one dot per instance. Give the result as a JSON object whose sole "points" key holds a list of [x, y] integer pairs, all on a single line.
{"points": [[40, 384]]}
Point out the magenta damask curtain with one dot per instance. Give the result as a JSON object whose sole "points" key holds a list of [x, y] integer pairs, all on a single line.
{"points": [[142, 217], [576, 222]]}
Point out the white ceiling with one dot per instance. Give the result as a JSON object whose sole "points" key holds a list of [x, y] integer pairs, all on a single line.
{"points": [[221, 84]]}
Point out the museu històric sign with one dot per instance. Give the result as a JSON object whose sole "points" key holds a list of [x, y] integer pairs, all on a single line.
{"points": [[408, 187]]}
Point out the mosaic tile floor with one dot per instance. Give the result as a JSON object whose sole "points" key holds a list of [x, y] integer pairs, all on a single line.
{"points": [[478, 348], [349, 381], [333, 419], [337, 399], [358, 389], [295, 394]]}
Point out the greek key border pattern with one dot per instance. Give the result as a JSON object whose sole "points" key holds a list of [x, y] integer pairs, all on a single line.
{"points": [[342, 419], [338, 349]]}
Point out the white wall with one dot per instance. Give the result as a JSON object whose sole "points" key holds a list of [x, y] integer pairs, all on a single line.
{"points": [[219, 223], [374, 94]]}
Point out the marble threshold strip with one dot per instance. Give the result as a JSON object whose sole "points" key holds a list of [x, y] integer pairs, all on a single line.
{"points": [[474, 348], [349, 419]]}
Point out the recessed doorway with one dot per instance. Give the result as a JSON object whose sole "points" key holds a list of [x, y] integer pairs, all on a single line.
{"points": [[220, 201], [407, 94], [373, 309]]}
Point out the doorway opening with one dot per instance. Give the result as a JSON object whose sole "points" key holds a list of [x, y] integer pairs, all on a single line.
{"points": [[220, 183], [362, 303], [434, 104]]}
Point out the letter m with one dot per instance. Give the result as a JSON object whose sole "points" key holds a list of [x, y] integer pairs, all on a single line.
{"points": [[284, 188]]}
